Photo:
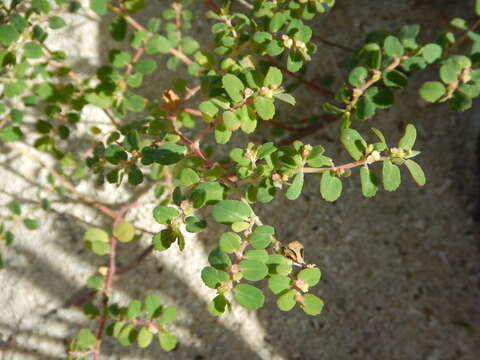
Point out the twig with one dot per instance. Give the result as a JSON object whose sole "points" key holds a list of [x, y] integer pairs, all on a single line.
{"points": [[60, 178], [463, 38], [246, 4], [334, 44], [108, 281], [344, 166], [212, 6]]}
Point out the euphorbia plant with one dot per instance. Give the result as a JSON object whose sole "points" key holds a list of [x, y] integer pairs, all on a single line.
{"points": [[164, 142]]}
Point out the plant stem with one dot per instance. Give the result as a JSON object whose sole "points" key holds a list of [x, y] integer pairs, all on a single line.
{"points": [[344, 166], [109, 281], [60, 178]]}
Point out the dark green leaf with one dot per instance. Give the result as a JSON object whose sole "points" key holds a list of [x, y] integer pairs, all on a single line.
{"points": [[169, 154]]}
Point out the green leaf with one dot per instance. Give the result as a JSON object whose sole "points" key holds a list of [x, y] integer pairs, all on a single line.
{"points": [[134, 309], [218, 305], [261, 237], [127, 335], [249, 296], [100, 100], [310, 276], [219, 260], [477, 7], [432, 52], [233, 86], [95, 282], [208, 108], [289, 99], [41, 5], [277, 264], [8, 34], [163, 214], [294, 61], [99, 6], [144, 338], [119, 58], [188, 177], [194, 224], [395, 79], [134, 5], [240, 226], [264, 107], [56, 22], [364, 109], [449, 72], [312, 305], [15, 207], [146, 66], [230, 242], [276, 22], [11, 133], [124, 231], [353, 142], [222, 134], [134, 103], [408, 139], [167, 341], [169, 315], [258, 255], [368, 180], [230, 211], [152, 305], [169, 154], [86, 339], [391, 176], [278, 283], [231, 121], [381, 98], [286, 302], [432, 91], [158, 44], [330, 187], [358, 76], [416, 172], [96, 234], [33, 50], [118, 28], [393, 47], [274, 77], [295, 189], [253, 270], [213, 278], [135, 175], [460, 101]]}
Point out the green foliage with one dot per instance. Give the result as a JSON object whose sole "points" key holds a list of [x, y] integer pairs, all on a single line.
{"points": [[237, 83]]}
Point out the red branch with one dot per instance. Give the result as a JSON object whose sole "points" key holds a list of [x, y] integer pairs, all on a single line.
{"points": [[109, 280]]}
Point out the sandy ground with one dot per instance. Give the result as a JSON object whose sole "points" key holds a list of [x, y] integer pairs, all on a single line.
{"points": [[400, 271]]}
